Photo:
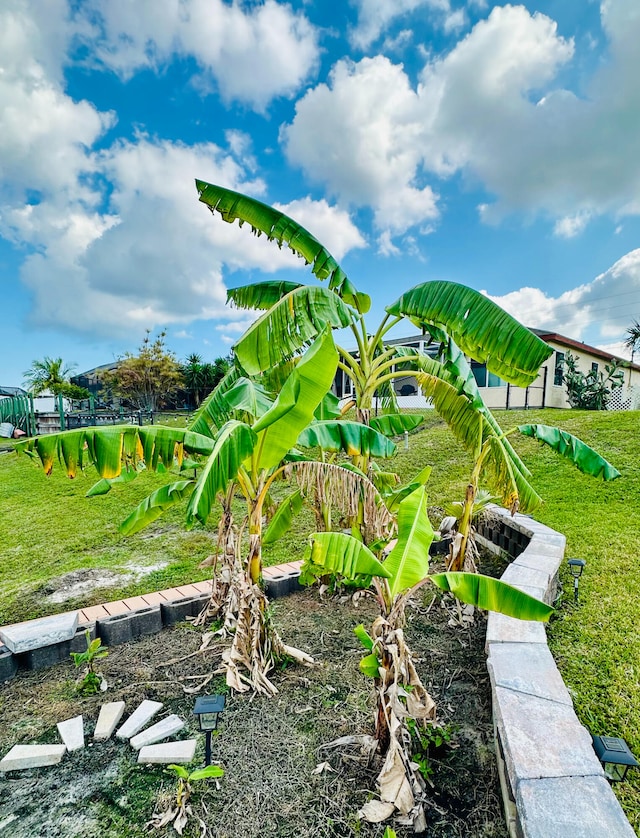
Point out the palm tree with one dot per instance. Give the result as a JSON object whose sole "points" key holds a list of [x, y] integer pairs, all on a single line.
{"points": [[633, 338], [49, 374], [192, 374]]}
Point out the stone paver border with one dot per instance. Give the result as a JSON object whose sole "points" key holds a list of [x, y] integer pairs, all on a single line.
{"points": [[124, 620], [553, 785]]}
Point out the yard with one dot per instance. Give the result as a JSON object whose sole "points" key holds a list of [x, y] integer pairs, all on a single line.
{"points": [[51, 530]]}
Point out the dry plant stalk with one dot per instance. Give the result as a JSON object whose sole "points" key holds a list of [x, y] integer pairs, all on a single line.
{"points": [[401, 695], [348, 492], [242, 607]]}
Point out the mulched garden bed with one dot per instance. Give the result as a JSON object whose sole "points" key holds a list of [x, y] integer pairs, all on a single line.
{"points": [[269, 747]]}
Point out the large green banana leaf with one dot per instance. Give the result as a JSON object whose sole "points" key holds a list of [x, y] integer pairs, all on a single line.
{"points": [[280, 228], [455, 362], [113, 448], [481, 328], [104, 485], [450, 401], [283, 518], [260, 295], [155, 504], [580, 454], [329, 407], [250, 397], [340, 553], [394, 499], [393, 424], [385, 482], [232, 445], [493, 595], [215, 410], [353, 438], [408, 562], [288, 326], [301, 394]]}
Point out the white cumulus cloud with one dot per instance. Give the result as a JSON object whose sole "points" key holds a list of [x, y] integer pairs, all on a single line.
{"points": [[253, 52], [375, 16], [492, 110], [598, 312], [359, 135]]}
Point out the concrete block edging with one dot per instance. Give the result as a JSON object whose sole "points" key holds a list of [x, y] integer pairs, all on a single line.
{"points": [[548, 770]]}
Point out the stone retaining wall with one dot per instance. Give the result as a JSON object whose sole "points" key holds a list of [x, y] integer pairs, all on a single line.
{"points": [[553, 785]]}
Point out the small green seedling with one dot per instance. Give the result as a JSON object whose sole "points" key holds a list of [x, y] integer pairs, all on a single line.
{"points": [[92, 682], [179, 810]]}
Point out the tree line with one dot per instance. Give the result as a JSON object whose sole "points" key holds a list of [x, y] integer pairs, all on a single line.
{"points": [[151, 379]]}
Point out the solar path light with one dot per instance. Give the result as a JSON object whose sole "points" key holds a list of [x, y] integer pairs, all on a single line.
{"points": [[615, 756], [576, 566], [208, 708]]}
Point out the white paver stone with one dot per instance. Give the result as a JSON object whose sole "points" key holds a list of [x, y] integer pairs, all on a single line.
{"points": [[72, 733], [21, 757], [110, 715], [168, 752], [157, 732], [139, 718], [34, 634]]}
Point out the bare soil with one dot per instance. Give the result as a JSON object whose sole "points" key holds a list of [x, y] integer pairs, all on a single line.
{"points": [[269, 748]]}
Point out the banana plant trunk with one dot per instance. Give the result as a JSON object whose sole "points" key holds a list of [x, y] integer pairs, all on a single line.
{"points": [[254, 562]]}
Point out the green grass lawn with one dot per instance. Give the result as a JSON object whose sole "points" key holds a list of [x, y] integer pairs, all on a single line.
{"points": [[48, 528]]}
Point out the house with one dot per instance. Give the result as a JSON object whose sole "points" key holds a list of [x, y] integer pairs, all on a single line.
{"points": [[547, 390]]}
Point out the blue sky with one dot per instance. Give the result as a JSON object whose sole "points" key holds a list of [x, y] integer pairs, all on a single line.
{"points": [[495, 146]]}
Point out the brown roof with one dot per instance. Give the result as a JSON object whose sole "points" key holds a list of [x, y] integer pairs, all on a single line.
{"points": [[582, 347]]}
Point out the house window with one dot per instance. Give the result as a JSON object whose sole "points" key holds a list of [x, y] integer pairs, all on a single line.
{"points": [[484, 378], [594, 367], [496, 381], [559, 369], [479, 373]]}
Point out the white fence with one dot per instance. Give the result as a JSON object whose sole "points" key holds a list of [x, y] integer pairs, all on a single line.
{"points": [[624, 398]]}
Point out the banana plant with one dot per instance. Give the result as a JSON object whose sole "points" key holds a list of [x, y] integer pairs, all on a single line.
{"points": [[459, 320], [293, 313], [247, 453], [400, 691]]}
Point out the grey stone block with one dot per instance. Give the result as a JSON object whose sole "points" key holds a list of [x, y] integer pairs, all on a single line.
{"points": [[539, 560], [277, 586], [34, 634], [177, 610], [146, 621], [46, 656], [501, 629], [115, 630], [283, 584], [539, 592], [141, 716], [541, 738], [527, 668], [8, 664], [541, 544], [570, 807], [110, 715], [517, 575], [157, 732], [72, 733]]}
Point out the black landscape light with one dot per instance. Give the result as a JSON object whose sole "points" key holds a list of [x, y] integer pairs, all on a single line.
{"points": [[208, 708], [576, 566], [615, 756]]}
